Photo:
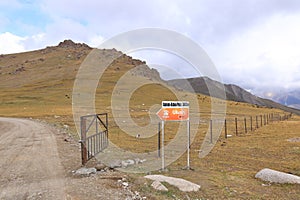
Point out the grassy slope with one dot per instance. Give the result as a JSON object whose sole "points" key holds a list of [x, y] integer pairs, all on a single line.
{"points": [[44, 88]]}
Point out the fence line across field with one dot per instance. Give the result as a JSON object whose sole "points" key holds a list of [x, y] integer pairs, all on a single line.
{"points": [[233, 126], [246, 124]]}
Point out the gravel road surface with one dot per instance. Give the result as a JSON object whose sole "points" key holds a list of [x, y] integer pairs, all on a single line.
{"points": [[30, 167]]}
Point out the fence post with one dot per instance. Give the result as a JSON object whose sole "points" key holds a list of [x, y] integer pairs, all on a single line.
{"points": [[256, 122], [266, 120], [211, 135], [83, 141], [107, 134], [188, 144], [225, 124], [236, 127], [158, 140], [261, 122], [245, 120], [251, 123], [272, 117]]}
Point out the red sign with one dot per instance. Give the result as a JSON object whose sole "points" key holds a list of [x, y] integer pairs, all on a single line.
{"points": [[173, 114]]}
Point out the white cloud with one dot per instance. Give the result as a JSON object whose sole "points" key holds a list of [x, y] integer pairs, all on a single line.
{"points": [[95, 41], [254, 44], [11, 43], [266, 55]]}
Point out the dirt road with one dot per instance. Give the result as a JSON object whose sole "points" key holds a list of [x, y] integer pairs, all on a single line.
{"points": [[30, 167]]}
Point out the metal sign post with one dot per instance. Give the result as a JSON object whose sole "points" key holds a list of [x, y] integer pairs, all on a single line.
{"points": [[162, 145], [174, 111], [188, 144]]}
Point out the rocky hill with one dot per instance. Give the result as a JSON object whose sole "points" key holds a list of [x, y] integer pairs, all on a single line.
{"points": [[48, 74]]}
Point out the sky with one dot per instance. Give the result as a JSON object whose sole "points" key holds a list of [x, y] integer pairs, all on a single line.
{"points": [[253, 43]]}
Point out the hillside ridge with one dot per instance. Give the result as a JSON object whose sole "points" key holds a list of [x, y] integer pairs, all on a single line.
{"points": [[58, 65], [233, 92]]}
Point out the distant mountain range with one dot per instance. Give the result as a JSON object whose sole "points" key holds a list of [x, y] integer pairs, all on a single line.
{"points": [[236, 93], [291, 99]]}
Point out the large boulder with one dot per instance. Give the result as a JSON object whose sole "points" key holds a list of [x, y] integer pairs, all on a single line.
{"points": [[183, 185], [274, 176]]}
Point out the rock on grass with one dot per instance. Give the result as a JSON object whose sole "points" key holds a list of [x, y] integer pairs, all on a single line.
{"points": [[274, 176]]}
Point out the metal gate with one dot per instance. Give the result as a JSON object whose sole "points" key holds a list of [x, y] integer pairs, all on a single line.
{"points": [[94, 135]]}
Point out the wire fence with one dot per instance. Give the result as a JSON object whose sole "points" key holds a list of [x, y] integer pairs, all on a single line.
{"points": [[146, 142], [246, 124]]}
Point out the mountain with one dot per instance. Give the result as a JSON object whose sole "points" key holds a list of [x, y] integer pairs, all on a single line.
{"points": [[291, 98], [233, 93], [40, 83], [42, 80]]}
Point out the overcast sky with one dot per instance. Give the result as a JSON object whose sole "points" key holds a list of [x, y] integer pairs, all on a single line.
{"points": [[253, 43]]}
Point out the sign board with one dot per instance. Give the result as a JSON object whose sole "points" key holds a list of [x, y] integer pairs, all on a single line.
{"points": [[174, 111]]}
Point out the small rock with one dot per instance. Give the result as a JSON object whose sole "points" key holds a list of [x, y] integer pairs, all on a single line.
{"points": [[294, 139], [100, 167], [139, 161], [125, 184], [66, 126], [158, 186], [126, 163], [86, 171], [265, 185], [115, 164]]}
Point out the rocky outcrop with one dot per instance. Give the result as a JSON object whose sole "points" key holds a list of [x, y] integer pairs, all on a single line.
{"points": [[144, 71], [71, 44]]}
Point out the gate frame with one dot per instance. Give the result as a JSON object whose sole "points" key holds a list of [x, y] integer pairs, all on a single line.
{"points": [[85, 140]]}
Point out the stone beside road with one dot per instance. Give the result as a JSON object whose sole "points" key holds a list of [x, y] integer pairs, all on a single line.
{"points": [[274, 176], [181, 184], [86, 171], [125, 163]]}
